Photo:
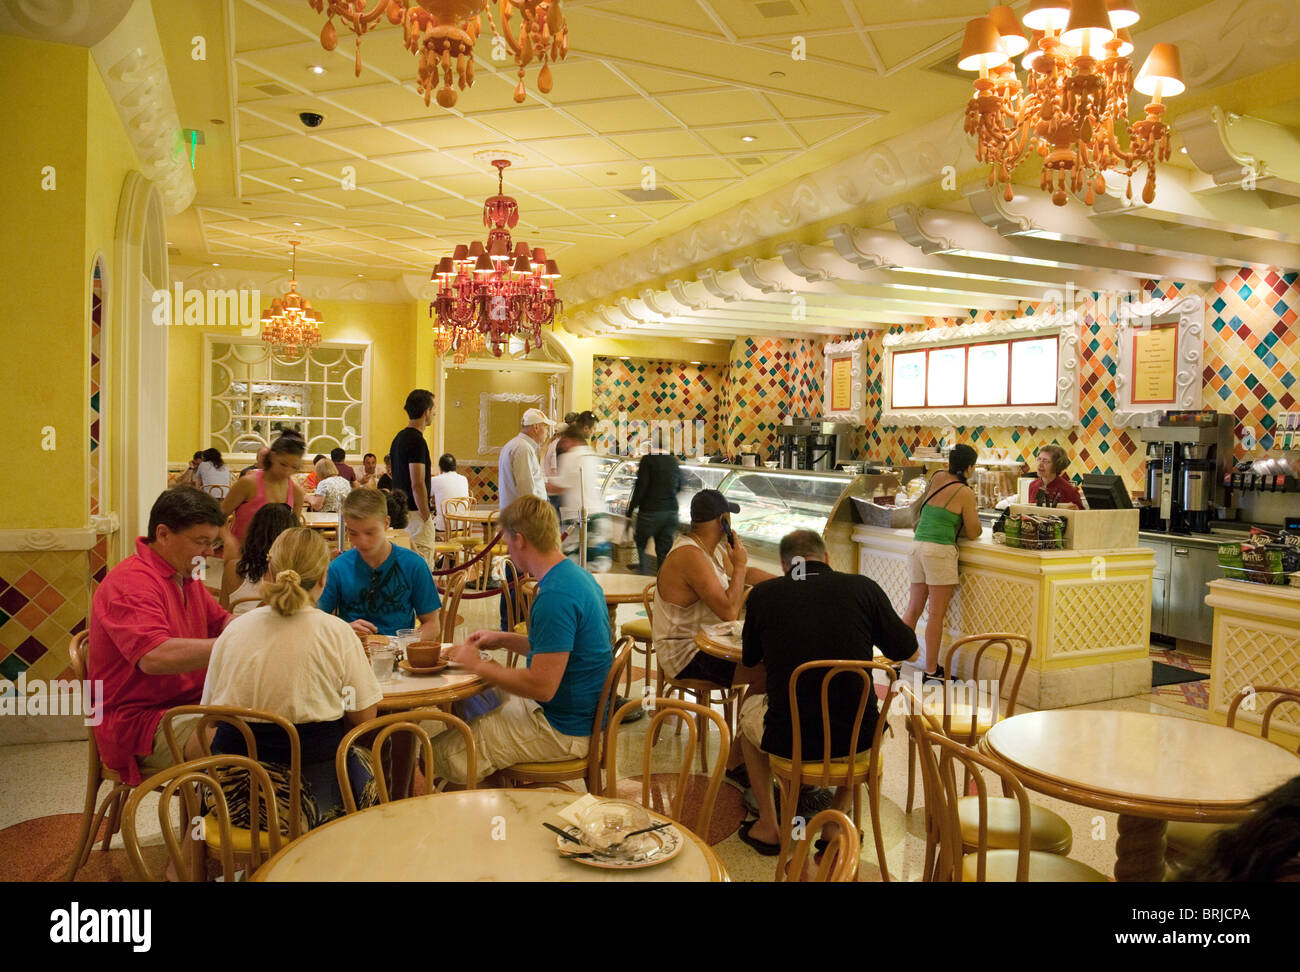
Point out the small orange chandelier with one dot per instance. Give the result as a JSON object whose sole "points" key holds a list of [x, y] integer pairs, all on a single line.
{"points": [[1075, 100], [289, 325], [442, 34], [459, 341]]}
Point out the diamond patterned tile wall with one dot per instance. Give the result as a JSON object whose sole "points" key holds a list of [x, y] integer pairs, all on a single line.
{"points": [[659, 391], [482, 483], [44, 599], [769, 379]]}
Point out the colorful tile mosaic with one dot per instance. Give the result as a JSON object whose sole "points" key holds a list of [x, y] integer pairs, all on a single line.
{"points": [[767, 380], [482, 483], [98, 553], [44, 601], [663, 391]]}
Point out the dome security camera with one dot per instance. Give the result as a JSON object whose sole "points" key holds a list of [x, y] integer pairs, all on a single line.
{"points": [[311, 119]]}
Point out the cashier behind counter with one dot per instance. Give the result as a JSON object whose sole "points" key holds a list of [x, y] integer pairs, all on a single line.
{"points": [[1052, 461]]}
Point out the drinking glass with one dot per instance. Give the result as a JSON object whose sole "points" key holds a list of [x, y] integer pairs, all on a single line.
{"points": [[381, 662]]}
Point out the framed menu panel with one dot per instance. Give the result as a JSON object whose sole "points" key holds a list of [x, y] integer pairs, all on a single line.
{"points": [[844, 383], [1155, 359], [909, 386], [988, 373], [946, 377], [1033, 372], [841, 384]]}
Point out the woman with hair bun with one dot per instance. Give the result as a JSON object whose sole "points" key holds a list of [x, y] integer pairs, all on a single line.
{"points": [[292, 659]]}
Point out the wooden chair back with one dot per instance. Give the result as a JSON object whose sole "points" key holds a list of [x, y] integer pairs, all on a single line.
{"points": [[1015, 650], [605, 721], [385, 726], [216, 490], [939, 756], [238, 718], [820, 774], [457, 529], [840, 859], [451, 596], [78, 656], [188, 781], [648, 597], [688, 713], [1284, 695]]}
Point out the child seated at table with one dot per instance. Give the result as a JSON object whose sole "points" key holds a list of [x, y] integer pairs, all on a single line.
{"points": [[300, 663], [377, 586]]}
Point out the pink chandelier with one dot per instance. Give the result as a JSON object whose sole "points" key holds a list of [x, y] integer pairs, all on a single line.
{"points": [[499, 289]]}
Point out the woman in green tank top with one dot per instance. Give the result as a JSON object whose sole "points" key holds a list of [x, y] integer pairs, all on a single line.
{"points": [[949, 510]]}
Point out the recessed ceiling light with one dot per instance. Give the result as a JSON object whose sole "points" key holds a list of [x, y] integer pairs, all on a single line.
{"points": [[694, 362], [361, 275], [296, 223], [297, 179], [170, 243], [1183, 150], [610, 215], [316, 69], [776, 74], [748, 138], [216, 264]]}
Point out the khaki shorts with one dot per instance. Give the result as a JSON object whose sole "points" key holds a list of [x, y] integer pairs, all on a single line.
{"points": [[161, 757], [514, 732], [752, 714], [934, 564]]}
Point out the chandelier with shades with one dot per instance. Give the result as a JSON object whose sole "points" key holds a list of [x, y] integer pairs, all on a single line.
{"points": [[496, 289], [290, 326], [442, 33], [1072, 109]]}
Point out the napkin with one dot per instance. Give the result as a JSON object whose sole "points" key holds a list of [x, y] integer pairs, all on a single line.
{"points": [[725, 629], [574, 811]]}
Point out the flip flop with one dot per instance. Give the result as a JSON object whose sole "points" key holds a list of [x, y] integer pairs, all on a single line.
{"points": [[739, 776], [762, 846]]}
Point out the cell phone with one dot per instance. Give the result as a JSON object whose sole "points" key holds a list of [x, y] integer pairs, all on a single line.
{"points": [[726, 531]]}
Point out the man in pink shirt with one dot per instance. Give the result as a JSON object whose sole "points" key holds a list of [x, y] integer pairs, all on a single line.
{"points": [[152, 625]]}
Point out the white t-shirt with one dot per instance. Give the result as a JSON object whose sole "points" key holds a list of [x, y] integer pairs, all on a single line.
{"points": [[550, 463], [443, 487], [335, 490], [579, 457], [209, 475], [301, 667]]}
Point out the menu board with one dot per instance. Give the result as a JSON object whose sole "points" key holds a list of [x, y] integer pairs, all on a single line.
{"points": [[1155, 364], [908, 389], [987, 366], [841, 384], [1033, 372], [946, 381]]}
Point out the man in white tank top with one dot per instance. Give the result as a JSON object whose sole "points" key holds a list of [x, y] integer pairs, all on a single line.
{"points": [[693, 590]]}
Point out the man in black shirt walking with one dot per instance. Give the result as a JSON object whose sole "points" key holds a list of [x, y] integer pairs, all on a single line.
{"points": [[810, 614], [658, 481], [411, 468]]}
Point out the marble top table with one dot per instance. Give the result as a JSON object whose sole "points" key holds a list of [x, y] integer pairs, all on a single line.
{"points": [[321, 521], [403, 691], [468, 835], [621, 589], [485, 516], [725, 646], [1148, 768]]}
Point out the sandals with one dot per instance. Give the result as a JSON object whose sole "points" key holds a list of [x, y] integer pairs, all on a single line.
{"points": [[762, 846], [739, 775]]}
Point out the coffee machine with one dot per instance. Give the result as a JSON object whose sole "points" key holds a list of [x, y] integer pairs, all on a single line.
{"points": [[1186, 456], [811, 444]]}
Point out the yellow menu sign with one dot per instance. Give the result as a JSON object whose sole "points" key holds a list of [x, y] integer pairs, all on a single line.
{"points": [[1155, 364], [841, 385]]}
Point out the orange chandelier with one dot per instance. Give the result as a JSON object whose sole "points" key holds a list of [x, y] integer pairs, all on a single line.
{"points": [[289, 325], [497, 289], [1073, 106], [460, 342], [441, 33]]}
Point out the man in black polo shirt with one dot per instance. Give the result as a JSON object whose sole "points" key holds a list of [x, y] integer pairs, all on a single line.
{"points": [[811, 613], [410, 468]]}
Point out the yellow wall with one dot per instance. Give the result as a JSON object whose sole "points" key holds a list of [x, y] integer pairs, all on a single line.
{"points": [[465, 386], [55, 112], [386, 327]]}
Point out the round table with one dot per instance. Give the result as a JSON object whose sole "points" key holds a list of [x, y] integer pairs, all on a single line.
{"points": [[484, 516], [467, 835], [621, 589], [726, 647], [403, 691], [1147, 768]]}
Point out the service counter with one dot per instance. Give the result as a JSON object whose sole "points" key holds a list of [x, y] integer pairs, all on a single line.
{"points": [[1088, 612], [1256, 643]]}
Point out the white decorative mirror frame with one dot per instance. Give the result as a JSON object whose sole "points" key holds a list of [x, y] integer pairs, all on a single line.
{"points": [[1188, 312], [1064, 415], [486, 452], [857, 411]]}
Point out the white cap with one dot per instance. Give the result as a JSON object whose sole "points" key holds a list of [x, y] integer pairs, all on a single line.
{"points": [[534, 416]]}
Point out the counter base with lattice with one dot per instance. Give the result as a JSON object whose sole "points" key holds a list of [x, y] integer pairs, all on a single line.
{"points": [[1088, 613]]}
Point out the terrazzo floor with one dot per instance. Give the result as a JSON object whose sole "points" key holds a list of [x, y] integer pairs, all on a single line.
{"points": [[44, 780]]}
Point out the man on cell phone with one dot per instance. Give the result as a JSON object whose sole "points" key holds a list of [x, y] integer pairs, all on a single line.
{"points": [[702, 581]]}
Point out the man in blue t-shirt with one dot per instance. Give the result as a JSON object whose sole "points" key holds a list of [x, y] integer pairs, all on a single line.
{"points": [[378, 587], [551, 702]]}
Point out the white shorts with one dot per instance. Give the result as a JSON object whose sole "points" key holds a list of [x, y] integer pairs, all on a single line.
{"points": [[934, 564], [752, 713]]}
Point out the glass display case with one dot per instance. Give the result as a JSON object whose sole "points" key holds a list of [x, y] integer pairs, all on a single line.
{"points": [[772, 501]]}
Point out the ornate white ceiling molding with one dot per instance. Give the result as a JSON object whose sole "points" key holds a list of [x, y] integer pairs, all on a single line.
{"points": [[272, 284], [923, 228], [1228, 39], [81, 23], [815, 263], [1238, 151], [752, 273], [1188, 312]]}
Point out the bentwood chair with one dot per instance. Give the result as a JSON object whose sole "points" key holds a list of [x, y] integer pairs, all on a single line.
{"points": [[497, 552], [385, 726], [641, 631], [840, 858], [843, 771], [451, 597], [292, 817], [961, 710], [670, 800], [524, 603], [586, 768], [187, 780], [1049, 832], [98, 773], [449, 548], [1183, 840], [939, 756]]}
